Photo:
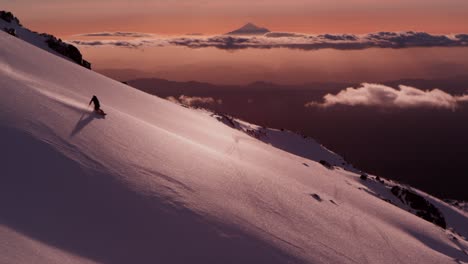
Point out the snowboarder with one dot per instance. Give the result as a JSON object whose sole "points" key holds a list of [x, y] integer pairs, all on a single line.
{"points": [[97, 105]]}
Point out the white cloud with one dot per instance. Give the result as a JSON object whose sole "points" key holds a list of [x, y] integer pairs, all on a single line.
{"points": [[134, 43], [117, 34], [287, 40], [173, 99], [384, 96], [194, 100], [463, 98]]}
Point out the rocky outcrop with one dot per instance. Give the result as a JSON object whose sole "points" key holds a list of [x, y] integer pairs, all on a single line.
{"points": [[227, 120], [15, 28], [326, 164], [9, 17], [67, 50], [11, 31], [421, 206]]}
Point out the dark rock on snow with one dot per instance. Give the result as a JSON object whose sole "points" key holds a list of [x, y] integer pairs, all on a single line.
{"points": [[9, 17], [11, 31], [54, 43], [67, 50], [423, 208], [326, 164]]}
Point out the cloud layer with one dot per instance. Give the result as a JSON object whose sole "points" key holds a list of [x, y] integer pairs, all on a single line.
{"points": [[137, 43], [384, 96], [195, 100], [290, 41], [117, 34]]}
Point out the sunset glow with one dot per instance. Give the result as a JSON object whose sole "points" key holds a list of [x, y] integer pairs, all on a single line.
{"points": [[67, 17]]}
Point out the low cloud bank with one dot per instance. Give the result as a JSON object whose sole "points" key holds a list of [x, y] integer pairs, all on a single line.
{"points": [[120, 43], [117, 34], [194, 100], [384, 96], [324, 41], [290, 41]]}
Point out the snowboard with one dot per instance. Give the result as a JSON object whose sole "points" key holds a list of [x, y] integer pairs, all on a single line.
{"points": [[100, 112]]}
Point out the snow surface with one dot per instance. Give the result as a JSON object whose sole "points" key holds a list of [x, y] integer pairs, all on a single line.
{"points": [[154, 182], [288, 141]]}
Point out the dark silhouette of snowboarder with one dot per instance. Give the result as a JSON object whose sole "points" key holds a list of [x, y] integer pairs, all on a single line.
{"points": [[97, 105]]}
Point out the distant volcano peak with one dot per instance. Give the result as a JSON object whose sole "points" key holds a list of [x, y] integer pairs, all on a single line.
{"points": [[249, 29]]}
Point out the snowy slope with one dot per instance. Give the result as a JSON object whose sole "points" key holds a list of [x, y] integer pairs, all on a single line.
{"points": [[154, 182], [59, 48], [288, 141]]}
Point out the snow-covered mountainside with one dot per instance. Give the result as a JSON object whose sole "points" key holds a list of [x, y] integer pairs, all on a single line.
{"points": [[11, 24], [154, 182]]}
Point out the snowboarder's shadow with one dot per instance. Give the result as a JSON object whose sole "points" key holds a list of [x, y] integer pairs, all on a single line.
{"points": [[84, 120]]}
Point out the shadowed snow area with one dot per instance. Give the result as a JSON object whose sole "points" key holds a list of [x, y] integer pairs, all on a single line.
{"points": [[154, 182]]}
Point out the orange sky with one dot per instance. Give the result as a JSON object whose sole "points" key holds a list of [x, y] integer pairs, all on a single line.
{"points": [[65, 17]]}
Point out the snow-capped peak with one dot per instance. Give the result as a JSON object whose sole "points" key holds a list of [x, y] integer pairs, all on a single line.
{"points": [[249, 29]]}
